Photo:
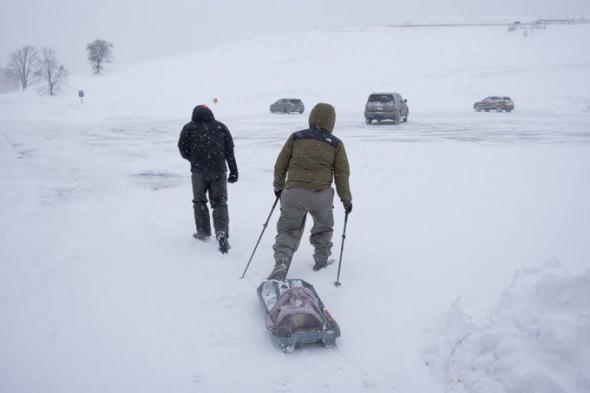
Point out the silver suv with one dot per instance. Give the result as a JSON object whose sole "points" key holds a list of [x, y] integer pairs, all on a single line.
{"points": [[287, 105], [386, 106]]}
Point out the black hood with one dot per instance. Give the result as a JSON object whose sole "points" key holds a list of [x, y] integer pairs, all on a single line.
{"points": [[202, 114]]}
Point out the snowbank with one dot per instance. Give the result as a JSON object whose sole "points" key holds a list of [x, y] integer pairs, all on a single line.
{"points": [[537, 339]]}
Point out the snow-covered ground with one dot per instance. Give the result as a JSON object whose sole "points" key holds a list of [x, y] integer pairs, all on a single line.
{"points": [[536, 339], [102, 288]]}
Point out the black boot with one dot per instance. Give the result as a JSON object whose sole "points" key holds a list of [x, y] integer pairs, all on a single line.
{"points": [[223, 242], [319, 265], [201, 236]]}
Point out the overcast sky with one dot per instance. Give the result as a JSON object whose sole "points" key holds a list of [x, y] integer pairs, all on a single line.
{"points": [[144, 29]]}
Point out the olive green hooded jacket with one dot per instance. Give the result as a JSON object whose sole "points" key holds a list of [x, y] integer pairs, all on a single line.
{"points": [[312, 158]]}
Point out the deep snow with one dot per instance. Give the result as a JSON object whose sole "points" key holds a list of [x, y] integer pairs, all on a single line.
{"points": [[536, 339], [102, 287]]}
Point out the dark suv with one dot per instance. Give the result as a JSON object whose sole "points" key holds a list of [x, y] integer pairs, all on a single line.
{"points": [[386, 106], [287, 105], [494, 103]]}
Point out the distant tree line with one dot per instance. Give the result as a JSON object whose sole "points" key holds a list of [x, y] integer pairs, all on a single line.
{"points": [[30, 65]]}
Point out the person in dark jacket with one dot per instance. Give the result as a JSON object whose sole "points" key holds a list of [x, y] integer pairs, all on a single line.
{"points": [[208, 145], [309, 162]]}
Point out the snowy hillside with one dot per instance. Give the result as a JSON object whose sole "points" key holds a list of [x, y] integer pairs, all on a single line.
{"points": [[103, 289], [435, 68]]}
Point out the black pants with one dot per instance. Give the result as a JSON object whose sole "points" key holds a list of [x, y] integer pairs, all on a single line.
{"points": [[214, 184]]}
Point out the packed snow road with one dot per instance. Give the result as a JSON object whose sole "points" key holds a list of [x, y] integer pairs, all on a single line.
{"points": [[102, 287]]}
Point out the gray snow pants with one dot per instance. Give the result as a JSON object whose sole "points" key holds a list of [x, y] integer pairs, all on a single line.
{"points": [[295, 204], [215, 184]]}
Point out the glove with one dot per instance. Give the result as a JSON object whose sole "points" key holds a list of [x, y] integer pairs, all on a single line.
{"points": [[278, 193], [347, 207], [232, 178]]}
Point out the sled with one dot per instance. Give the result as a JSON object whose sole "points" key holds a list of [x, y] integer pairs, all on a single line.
{"points": [[290, 325]]}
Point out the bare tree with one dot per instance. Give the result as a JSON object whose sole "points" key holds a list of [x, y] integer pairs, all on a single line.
{"points": [[99, 52], [50, 71], [21, 65]]}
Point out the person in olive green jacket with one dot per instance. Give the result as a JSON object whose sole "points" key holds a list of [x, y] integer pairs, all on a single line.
{"points": [[305, 168]]}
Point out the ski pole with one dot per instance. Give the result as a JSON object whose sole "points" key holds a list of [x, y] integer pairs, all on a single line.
{"points": [[337, 282], [260, 237]]}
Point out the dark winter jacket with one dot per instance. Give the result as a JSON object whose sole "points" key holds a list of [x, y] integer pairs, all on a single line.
{"points": [[311, 158], [207, 143]]}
